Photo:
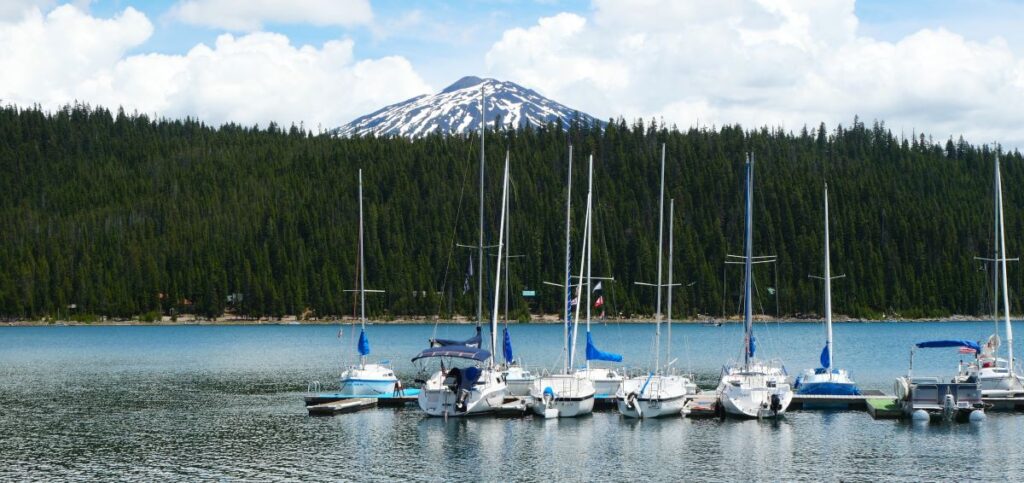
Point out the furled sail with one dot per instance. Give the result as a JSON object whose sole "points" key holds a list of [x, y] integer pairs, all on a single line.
{"points": [[594, 354]]}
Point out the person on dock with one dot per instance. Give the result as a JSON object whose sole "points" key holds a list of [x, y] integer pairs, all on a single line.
{"points": [[399, 390]]}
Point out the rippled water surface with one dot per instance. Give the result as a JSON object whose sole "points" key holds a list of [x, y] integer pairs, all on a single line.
{"points": [[200, 402]]}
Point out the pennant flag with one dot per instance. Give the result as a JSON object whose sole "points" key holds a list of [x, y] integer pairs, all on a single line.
{"points": [[597, 287], [771, 291], [599, 302], [573, 302], [469, 275]]}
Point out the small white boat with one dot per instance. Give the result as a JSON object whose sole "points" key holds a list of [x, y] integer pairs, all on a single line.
{"points": [[519, 380], [366, 379], [480, 388], [606, 381], [826, 380], [658, 394], [563, 395], [929, 398], [753, 388], [654, 395], [996, 377]]}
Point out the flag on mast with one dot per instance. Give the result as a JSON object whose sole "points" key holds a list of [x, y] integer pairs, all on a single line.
{"points": [[597, 287], [599, 302]]}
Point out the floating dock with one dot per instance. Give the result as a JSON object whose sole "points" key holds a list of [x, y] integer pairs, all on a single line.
{"points": [[816, 401], [884, 408], [407, 396], [341, 406]]}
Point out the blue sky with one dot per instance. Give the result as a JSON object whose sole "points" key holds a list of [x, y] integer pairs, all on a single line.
{"points": [[945, 67]]}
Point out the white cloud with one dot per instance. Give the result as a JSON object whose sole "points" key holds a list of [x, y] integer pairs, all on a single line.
{"points": [[67, 55], [765, 62], [250, 15]]}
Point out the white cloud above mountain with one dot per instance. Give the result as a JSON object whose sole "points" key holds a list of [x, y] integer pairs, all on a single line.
{"points": [[251, 15], [68, 55], [765, 62]]}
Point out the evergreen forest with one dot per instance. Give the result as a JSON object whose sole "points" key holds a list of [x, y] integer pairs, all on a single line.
{"points": [[122, 215]]}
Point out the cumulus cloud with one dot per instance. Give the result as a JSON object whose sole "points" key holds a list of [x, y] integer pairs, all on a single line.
{"points": [[68, 55], [250, 15], [765, 62]]}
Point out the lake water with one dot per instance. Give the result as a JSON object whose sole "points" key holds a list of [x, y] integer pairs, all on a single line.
{"points": [[224, 402]]}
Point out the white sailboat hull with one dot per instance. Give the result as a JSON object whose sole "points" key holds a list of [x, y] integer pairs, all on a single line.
{"points": [[606, 381], [519, 381], [563, 396], [996, 380], [439, 400], [755, 391], [654, 396], [368, 380]]}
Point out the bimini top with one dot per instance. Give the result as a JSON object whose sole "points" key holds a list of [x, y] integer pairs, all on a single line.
{"points": [[931, 344], [459, 351], [472, 342]]}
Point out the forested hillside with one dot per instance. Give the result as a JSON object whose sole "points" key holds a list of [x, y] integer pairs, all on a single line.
{"points": [[122, 215]]}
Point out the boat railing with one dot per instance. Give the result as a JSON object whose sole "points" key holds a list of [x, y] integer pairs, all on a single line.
{"points": [[314, 386]]}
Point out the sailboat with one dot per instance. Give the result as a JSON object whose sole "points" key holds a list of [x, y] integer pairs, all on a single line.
{"points": [[826, 380], [606, 381], [753, 388], [479, 388], [657, 393], [365, 379], [518, 378], [996, 376], [569, 393]]}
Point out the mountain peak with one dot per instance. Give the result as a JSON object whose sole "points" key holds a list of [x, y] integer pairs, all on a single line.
{"points": [[456, 110]]}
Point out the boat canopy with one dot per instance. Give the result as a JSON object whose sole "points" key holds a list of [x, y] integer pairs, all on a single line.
{"points": [[470, 342], [507, 348], [594, 354], [364, 344], [931, 344], [458, 351]]}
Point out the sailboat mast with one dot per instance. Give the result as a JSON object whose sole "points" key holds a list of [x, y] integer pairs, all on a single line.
{"points": [[568, 266], [1002, 261], [657, 308], [828, 289], [996, 203], [362, 267], [590, 203], [668, 309], [497, 272], [579, 286], [480, 244], [748, 314]]}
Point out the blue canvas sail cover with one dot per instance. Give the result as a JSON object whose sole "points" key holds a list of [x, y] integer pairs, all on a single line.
{"points": [[470, 342], [825, 361], [364, 344], [458, 351], [949, 343], [506, 348], [593, 354], [752, 347]]}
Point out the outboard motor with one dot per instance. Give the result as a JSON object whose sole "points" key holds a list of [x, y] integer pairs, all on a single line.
{"points": [[460, 401], [949, 408], [776, 404]]}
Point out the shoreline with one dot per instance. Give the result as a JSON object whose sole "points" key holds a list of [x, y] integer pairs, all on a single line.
{"points": [[421, 320]]}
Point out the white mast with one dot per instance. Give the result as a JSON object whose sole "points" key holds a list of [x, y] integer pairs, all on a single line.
{"points": [[828, 290], [748, 315], [497, 273], [1002, 261], [657, 309], [568, 273], [995, 243], [480, 244], [589, 225], [671, 223], [579, 285], [362, 268]]}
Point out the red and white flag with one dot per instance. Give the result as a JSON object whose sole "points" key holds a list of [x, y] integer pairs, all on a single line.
{"points": [[966, 350], [599, 302]]}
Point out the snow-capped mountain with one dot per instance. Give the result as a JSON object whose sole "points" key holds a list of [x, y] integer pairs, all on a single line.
{"points": [[456, 109]]}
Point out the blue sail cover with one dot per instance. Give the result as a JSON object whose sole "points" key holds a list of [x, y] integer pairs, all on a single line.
{"points": [[507, 347], [593, 354], [470, 342], [458, 351], [825, 361], [949, 343], [752, 347], [364, 344]]}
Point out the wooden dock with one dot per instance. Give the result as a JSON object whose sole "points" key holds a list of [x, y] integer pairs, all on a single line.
{"points": [[341, 406]]}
